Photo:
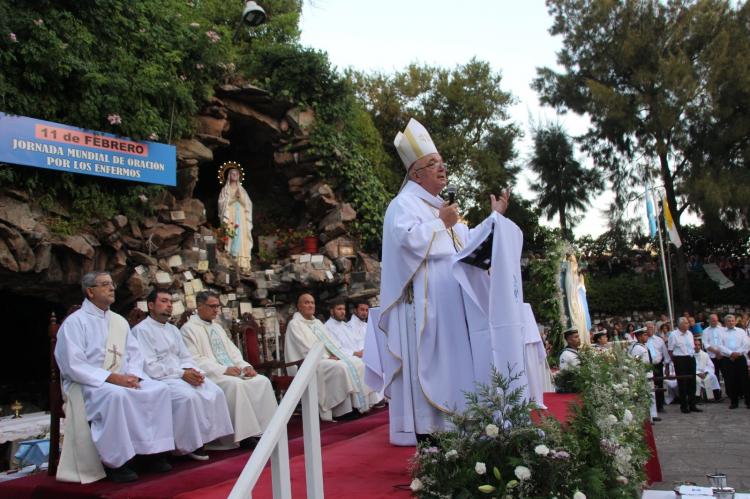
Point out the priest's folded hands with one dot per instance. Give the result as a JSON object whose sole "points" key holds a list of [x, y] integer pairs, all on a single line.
{"points": [[126, 380], [192, 376]]}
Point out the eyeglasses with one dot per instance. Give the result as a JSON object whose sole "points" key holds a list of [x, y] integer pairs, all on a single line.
{"points": [[433, 165], [104, 285]]}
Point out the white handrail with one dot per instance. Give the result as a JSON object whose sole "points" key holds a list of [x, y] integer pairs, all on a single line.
{"points": [[274, 444]]}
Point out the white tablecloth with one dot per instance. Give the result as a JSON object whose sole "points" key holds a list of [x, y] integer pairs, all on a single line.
{"points": [[26, 427], [668, 494]]}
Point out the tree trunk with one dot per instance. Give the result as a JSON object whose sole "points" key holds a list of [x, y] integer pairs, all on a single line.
{"points": [[683, 297], [563, 224]]}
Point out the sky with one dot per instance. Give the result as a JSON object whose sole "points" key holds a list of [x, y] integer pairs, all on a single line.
{"points": [[511, 35]]}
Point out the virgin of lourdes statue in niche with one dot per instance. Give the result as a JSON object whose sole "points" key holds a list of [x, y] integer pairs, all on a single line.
{"points": [[236, 212]]}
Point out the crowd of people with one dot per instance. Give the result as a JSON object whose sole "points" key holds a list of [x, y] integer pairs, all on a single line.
{"points": [[688, 362], [136, 396], [737, 269]]}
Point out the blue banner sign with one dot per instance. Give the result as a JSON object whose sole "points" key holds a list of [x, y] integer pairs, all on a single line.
{"points": [[43, 144]]}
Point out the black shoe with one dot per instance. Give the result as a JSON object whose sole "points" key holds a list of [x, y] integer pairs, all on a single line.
{"points": [[733, 406], [655, 419], [123, 474], [684, 410], [695, 409], [249, 442], [156, 464]]}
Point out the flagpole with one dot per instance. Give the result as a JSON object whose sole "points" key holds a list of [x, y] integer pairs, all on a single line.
{"points": [[664, 271]]}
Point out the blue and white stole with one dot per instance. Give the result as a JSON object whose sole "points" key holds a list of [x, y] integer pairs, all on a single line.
{"points": [[217, 346], [334, 349]]}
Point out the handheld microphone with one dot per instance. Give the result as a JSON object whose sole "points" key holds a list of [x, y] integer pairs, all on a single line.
{"points": [[451, 191]]}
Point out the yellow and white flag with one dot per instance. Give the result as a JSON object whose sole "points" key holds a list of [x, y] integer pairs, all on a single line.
{"points": [[669, 224]]}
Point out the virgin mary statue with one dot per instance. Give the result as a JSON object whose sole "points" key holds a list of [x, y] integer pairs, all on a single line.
{"points": [[236, 212], [575, 294]]}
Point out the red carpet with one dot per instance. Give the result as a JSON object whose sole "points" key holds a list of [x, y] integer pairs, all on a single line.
{"points": [[559, 406], [186, 475], [365, 467]]}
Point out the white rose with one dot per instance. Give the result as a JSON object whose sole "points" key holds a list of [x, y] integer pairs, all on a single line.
{"points": [[627, 417], [541, 450], [451, 454], [522, 472], [621, 479], [491, 430], [579, 495], [611, 419], [416, 485], [480, 468]]}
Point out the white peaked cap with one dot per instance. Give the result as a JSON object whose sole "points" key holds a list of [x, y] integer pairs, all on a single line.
{"points": [[413, 143]]}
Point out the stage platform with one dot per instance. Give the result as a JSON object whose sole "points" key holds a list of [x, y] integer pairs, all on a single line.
{"points": [[187, 475], [358, 461]]}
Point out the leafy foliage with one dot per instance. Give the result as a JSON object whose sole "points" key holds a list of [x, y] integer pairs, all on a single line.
{"points": [[608, 426], [564, 186], [625, 293], [666, 91], [496, 449], [541, 289], [343, 134], [464, 109], [492, 439], [75, 203], [139, 69]]}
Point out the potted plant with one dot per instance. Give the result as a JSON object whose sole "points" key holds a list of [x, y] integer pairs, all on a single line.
{"points": [[310, 240]]}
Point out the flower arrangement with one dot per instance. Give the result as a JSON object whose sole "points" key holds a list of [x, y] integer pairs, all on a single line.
{"points": [[609, 425], [292, 238], [495, 449], [227, 231]]}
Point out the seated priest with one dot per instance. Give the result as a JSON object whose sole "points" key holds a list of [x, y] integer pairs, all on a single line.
{"points": [[342, 332], [199, 408], [249, 394], [706, 383], [341, 386], [113, 410], [358, 322]]}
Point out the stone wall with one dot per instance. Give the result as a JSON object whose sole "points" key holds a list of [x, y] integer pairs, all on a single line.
{"points": [[176, 248]]}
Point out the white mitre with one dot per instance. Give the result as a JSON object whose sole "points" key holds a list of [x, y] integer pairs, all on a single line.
{"points": [[413, 143]]}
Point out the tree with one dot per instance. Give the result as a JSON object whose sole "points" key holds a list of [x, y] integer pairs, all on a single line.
{"points": [[564, 186], [647, 74], [136, 69], [464, 109]]}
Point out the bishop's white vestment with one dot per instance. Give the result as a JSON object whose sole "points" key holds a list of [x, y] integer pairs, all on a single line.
{"points": [[494, 302], [341, 385], [342, 332], [199, 413], [123, 421], [428, 365], [251, 400], [535, 359]]}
